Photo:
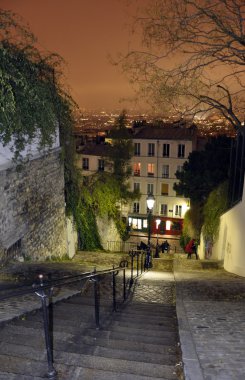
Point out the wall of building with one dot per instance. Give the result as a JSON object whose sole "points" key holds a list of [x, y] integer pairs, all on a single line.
{"points": [[230, 244], [32, 209]]}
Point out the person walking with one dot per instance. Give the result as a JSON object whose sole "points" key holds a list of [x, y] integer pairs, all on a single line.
{"points": [[191, 248]]}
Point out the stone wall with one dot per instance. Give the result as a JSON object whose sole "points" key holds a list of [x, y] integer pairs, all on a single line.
{"points": [[107, 231], [32, 209]]}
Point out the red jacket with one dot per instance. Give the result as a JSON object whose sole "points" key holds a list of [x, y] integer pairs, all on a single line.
{"points": [[189, 246]]}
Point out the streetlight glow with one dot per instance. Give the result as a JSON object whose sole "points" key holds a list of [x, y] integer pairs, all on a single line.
{"points": [[150, 200]]}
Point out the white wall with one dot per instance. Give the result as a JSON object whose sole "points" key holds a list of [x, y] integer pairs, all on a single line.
{"points": [[230, 245], [30, 150]]}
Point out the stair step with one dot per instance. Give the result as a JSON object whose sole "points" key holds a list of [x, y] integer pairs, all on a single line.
{"points": [[119, 365]]}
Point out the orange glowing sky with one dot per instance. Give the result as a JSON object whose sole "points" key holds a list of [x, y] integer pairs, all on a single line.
{"points": [[83, 32]]}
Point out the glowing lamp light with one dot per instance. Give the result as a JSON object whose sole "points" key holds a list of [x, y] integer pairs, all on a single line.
{"points": [[150, 200]]}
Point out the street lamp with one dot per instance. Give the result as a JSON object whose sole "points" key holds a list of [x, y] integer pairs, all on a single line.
{"points": [[150, 200]]}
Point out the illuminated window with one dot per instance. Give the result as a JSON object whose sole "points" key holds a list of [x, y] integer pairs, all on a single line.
{"points": [[165, 171], [151, 149], [136, 223], [150, 170], [164, 189], [101, 165], [136, 168], [137, 149], [181, 150], [85, 163], [165, 150], [168, 225]]}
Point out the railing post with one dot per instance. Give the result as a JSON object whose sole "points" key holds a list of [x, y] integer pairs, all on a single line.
{"points": [[51, 370], [124, 284], [142, 262], [114, 289], [137, 264], [96, 300], [132, 268]]}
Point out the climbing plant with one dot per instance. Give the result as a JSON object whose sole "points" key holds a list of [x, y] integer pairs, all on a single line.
{"points": [[216, 204]]}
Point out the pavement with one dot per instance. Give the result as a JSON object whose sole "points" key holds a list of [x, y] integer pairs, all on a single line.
{"points": [[210, 306]]}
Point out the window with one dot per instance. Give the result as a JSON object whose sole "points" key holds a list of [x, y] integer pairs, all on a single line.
{"points": [[165, 150], [135, 223], [137, 186], [178, 210], [137, 149], [181, 150], [164, 189], [164, 209], [180, 168], [101, 165], [150, 170], [151, 149], [85, 163], [136, 168], [150, 188], [136, 207], [165, 171]]}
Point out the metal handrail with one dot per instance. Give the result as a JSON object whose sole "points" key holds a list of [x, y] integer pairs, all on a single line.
{"points": [[44, 289]]}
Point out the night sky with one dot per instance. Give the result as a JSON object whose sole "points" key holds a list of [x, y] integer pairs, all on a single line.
{"points": [[84, 32]]}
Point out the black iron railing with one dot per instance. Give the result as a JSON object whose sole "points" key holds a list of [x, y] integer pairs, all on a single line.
{"points": [[44, 288]]}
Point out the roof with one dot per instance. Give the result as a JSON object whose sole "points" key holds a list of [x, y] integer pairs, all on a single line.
{"points": [[165, 133], [95, 150]]}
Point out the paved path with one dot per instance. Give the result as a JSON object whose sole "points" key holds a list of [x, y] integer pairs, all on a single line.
{"points": [[211, 316]]}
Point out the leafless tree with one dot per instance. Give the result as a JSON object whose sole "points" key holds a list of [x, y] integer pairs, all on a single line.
{"points": [[193, 56]]}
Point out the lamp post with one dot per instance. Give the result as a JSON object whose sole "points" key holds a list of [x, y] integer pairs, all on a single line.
{"points": [[150, 200], [150, 203]]}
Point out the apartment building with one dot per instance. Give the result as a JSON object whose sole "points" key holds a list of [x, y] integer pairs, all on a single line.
{"points": [[158, 153]]}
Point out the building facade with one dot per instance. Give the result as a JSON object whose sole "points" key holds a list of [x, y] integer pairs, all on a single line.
{"points": [[158, 153]]}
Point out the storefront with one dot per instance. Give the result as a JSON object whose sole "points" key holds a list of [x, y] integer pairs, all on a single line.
{"points": [[159, 225]]}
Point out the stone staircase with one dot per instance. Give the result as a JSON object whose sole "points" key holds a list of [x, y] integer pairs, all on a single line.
{"points": [[137, 342]]}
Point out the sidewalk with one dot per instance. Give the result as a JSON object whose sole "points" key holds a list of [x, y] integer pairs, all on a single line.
{"points": [[210, 307], [211, 315]]}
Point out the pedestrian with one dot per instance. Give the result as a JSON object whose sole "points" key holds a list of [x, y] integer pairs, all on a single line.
{"points": [[165, 246], [157, 251], [191, 248]]}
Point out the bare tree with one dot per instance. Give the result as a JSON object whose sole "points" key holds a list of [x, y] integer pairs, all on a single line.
{"points": [[193, 57]]}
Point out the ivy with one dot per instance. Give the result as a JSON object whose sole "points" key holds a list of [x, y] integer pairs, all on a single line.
{"points": [[216, 204]]}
